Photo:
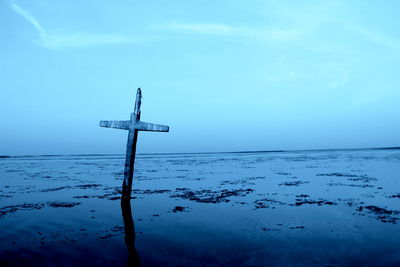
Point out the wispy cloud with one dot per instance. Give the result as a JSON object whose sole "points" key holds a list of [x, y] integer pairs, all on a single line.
{"points": [[304, 33], [31, 19], [271, 35], [85, 40], [202, 28], [57, 41], [375, 37]]}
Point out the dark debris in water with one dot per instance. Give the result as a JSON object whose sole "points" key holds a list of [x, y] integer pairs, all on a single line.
{"points": [[210, 196], [270, 229], [55, 189], [27, 206], [337, 174], [11, 209], [351, 185], [179, 209], [297, 227], [114, 198], [302, 195], [294, 183], [106, 236], [382, 214], [84, 186], [244, 181], [58, 204], [363, 178], [395, 196], [302, 199], [300, 202], [150, 192], [378, 210], [351, 177], [114, 193], [283, 173], [114, 231], [267, 203]]}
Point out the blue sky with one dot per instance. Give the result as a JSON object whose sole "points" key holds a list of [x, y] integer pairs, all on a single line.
{"points": [[224, 75]]}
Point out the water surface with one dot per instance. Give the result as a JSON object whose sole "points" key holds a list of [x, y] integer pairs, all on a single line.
{"points": [[240, 209]]}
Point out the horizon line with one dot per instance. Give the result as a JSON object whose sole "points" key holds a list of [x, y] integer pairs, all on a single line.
{"points": [[218, 152]]}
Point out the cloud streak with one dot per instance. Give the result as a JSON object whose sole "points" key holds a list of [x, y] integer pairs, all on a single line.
{"points": [[297, 34], [374, 37], [270, 35], [293, 35], [54, 41], [204, 28]]}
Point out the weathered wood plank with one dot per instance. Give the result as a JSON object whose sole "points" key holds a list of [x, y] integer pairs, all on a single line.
{"points": [[123, 125], [151, 127]]}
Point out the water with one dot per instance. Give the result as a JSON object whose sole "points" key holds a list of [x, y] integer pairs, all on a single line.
{"points": [[234, 209]]}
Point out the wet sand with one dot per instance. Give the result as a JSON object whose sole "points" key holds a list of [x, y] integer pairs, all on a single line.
{"points": [[241, 209]]}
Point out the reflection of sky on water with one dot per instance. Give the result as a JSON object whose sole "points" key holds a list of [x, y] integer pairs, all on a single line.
{"points": [[279, 208]]}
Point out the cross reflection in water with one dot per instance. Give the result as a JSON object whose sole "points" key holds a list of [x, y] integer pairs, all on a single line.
{"points": [[133, 257]]}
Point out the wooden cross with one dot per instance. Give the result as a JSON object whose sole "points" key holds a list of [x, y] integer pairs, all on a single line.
{"points": [[134, 125]]}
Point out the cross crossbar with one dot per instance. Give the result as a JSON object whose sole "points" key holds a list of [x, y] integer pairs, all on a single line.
{"points": [[134, 125]]}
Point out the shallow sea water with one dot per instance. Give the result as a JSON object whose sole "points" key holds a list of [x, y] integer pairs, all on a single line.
{"points": [[304, 208]]}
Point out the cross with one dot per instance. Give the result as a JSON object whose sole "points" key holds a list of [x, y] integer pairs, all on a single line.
{"points": [[134, 125]]}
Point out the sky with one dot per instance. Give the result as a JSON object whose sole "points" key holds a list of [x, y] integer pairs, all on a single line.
{"points": [[224, 75]]}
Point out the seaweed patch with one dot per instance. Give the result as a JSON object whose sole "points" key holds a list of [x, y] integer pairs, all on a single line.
{"points": [[294, 183], [26, 206], [267, 203], [244, 181], [351, 185], [382, 214], [317, 202], [210, 196], [337, 174], [179, 209]]}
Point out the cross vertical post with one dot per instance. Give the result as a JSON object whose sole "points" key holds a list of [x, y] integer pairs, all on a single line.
{"points": [[134, 125], [131, 148]]}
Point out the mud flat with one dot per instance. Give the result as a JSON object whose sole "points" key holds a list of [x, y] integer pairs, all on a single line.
{"points": [[233, 209]]}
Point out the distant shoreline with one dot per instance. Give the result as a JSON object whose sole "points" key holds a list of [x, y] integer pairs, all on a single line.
{"points": [[221, 152]]}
